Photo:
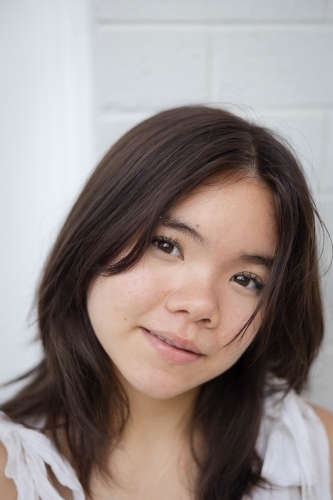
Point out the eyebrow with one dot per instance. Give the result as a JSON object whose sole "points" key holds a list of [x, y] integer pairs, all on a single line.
{"points": [[174, 223], [256, 259], [259, 260]]}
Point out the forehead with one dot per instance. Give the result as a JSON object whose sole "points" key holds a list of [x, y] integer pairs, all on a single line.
{"points": [[241, 212]]}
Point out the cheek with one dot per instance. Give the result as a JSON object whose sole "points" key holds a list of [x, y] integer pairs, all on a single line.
{"points": [[124, 295], [228, 355], [230, 349], [234, 314]]}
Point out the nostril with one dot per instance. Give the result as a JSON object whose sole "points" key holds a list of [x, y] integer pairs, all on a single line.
{"points": [[196, 306], [206, 320]]}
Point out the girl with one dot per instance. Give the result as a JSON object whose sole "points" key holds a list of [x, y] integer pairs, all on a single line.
{"points": [[180, 312]]}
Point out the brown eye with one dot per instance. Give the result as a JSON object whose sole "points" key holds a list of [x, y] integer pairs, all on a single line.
{"points": [[242, 280], [168, 246], [248, 281]]}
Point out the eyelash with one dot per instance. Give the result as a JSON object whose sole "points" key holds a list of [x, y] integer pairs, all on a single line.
{"points": [[164, 239], [175, 243], [257, 282]]}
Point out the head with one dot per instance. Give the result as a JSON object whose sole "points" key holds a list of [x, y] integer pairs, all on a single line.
{"points": [[151, 176]]}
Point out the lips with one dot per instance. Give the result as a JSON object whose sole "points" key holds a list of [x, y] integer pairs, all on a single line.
{"points": [[174, 341]]}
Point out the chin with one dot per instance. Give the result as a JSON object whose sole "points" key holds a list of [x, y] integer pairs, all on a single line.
{"points": [[160, 393], [154, 386]]}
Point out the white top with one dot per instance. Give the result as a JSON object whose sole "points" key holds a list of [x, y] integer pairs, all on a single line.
{"points": [[292, 443]]}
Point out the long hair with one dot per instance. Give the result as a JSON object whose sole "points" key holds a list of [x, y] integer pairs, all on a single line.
{"points": [[144, 174]]}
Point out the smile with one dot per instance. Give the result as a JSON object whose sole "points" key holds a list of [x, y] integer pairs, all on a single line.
{"points": [[168, 341], [176, 351]]}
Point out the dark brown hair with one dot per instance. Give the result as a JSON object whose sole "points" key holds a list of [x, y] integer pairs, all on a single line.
{"points": [[142, 176]]}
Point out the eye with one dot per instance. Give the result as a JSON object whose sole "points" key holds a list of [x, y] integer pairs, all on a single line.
{"points": [[249, 281], [167, 245]]}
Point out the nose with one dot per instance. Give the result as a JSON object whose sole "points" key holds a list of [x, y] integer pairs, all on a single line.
{"points": [[196, 298]]}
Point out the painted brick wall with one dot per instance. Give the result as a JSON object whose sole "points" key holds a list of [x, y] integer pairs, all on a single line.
{"points": [[271, 60]]}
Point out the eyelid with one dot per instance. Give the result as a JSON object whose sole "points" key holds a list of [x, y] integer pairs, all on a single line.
{"points": [[259, 284], [251, 275], [172, 241]]}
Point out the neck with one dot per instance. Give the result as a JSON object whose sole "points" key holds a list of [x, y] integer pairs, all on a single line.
{"points": [[154, 447], [153, 421]]}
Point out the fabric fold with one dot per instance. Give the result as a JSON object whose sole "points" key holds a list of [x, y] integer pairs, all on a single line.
{"points": [[28, 452], [294, 447]]}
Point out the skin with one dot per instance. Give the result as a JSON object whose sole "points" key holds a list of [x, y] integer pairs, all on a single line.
{"points": [[197, 291]]}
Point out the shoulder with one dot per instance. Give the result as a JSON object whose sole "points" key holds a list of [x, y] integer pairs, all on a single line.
{"points": [[327, 419], [294, 446], [7, 486], [23, 451]]}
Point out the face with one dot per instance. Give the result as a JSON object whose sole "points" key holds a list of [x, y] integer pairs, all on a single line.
{"points": [[167, 323]]}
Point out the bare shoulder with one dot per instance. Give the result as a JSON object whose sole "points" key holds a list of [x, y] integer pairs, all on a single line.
{"points": [[7, 486], [327, 418]]}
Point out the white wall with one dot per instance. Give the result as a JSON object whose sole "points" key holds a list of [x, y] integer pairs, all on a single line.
{"points": [[122, 60], [266, 59], [46, 144]]}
